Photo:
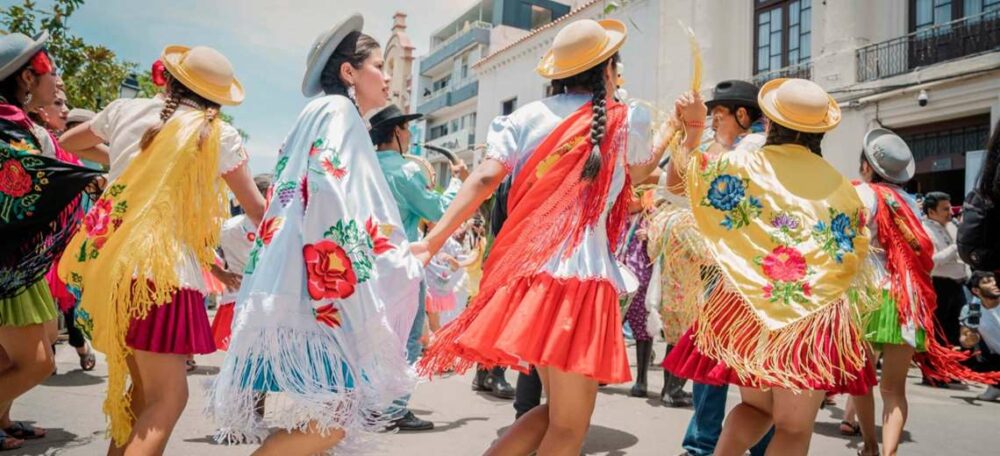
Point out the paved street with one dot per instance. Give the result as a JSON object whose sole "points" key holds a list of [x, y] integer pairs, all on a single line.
{"points": [[942, 421]]}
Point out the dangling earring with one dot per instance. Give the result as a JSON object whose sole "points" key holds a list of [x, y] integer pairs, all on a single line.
{"points": [[352, 94], [27, 99]]}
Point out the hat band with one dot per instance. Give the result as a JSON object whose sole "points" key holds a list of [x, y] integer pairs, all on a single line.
{"points": [[595, 51], [798, 115]]}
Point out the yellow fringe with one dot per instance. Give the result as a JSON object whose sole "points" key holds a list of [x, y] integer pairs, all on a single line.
{"points": [[176, 203]]}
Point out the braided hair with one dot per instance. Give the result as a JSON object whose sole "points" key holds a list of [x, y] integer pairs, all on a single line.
{"points": [[778, 134], [354, 49], [178, 94], [593, 81]]}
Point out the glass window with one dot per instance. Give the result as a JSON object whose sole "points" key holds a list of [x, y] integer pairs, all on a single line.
{"points": [[783, 33]]}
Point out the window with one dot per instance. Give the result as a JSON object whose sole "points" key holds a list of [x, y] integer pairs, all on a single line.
{"points": [[465, 67], [441, 83], [508, 106], [783, 34], [437, 131], [454, 125], [540, 16], [925, 14]]}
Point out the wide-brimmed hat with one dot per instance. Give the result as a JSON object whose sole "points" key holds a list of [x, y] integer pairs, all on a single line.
{"points": [[799, 104], [16, 49], [734, 92], [205, 71], [889, 156], [323, 48], [580, 46], [389, 117], [79, 115]]}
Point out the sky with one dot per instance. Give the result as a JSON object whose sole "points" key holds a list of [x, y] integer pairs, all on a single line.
{"points": [[266, 40]]}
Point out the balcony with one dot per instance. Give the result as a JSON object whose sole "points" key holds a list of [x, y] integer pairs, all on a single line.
{"points": [[456, 141], [801, 70], [940, 43], [475, 32], [446, 96]]}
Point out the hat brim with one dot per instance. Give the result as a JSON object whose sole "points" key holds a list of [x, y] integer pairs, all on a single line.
{"points": [[394, 121], [766, 101], [903, 176], [325, 47], [617, 32], [21, 60], [226, 96]]}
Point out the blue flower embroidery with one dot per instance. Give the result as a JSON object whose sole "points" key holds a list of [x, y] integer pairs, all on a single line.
{"points": [[837, 237], [725, 192], [843, 232]]}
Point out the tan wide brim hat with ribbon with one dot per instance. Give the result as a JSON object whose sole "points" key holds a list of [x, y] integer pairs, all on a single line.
{"points": [[799, 104], [580, 46], [205, 71]]}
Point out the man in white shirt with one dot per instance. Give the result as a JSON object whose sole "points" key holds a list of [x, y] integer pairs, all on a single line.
{"points": [[984, 287], [949, 272]]}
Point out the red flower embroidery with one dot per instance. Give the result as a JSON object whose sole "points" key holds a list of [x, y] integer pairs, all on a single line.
{"points": [[14, 180], [702, 162], [381, 243], [768, 290], [785, 264], [332, 168], [251, 237], [99, 242], [269, 227], [329, 271], [807, 289], [328, 315], [304, 187], [97, 220]]}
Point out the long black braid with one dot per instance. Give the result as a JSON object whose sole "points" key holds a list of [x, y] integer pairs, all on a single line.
{"points": [[593, 81]]}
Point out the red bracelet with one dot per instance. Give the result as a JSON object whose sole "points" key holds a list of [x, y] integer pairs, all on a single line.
{"points": [[695, 124]]}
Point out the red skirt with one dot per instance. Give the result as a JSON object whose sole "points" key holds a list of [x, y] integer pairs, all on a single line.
{"points": [[570, 324], [179, 327], [686, 361]]}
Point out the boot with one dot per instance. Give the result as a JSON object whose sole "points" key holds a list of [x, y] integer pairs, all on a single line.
{"points": [[643, 350], [497, 384], [673, 394], [479, 380]]}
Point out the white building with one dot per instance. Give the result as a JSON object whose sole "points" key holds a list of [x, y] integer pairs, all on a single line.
{"points": [[875, 57]]}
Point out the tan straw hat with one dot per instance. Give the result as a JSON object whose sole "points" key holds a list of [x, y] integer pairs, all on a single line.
{"points": [[205, 71], [799, 104], [580, 46]]}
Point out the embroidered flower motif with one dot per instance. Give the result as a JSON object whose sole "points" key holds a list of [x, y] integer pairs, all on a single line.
{"points": [[331, 164], [286, 193], [98, 219], [786, 221], [269, 227], [843, 233], [725, 192], [23, 146], [380, 243], [14, 180], [317, 147], [330, 274], [328, 315], [728, 193], [304, 189], [836, 238], [785, 264]]}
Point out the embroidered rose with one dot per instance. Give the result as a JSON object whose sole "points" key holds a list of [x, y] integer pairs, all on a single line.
{"points": [[328, 315], [380, 243], [14, 180], [329, 271], [725, 192], [98, 219], [269, 227], [785, 264]]}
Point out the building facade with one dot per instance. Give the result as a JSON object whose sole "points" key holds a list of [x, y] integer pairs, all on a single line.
{"points": [[879, 59], [398, 58]]}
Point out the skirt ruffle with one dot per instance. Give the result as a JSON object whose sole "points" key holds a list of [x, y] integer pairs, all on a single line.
{"points": [[884, 328], [440, 303], [571, 324], [178, 327], [33, 306]]}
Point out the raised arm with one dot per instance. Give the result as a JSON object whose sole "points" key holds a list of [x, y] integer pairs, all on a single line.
{"points": [[84, 143]]}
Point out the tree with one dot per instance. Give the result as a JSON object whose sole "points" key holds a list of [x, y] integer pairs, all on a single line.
{"points": [[91, 73]]}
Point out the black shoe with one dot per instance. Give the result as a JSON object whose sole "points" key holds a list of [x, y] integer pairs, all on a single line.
{"points": [[496, 384], [643, 352], [410, 422], [479, 380]]}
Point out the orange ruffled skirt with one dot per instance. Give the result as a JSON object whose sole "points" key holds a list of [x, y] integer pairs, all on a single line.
{"points": [[571, 324]]}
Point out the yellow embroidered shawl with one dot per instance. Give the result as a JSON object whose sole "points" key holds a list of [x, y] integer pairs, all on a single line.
{"points": [[168, 201]]}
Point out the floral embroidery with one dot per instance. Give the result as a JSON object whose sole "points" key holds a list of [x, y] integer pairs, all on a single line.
{"points": [[328, 315], [548, 162], [23, 146], [380, 243], [836, 238], [21, 182], [304, 189], [280, 167], [329, 270], [786, 268], [268, 228], [14, 180], [329, 160], [285, 192], [101, 221], [728, 193]]}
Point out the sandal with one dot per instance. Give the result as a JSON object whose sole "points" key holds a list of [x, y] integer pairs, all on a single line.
{"points": [[88, 360], [849, 429], [191, 365], [9, 443], [23, 431]]}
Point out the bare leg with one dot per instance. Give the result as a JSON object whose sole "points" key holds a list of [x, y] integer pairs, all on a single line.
{"points": [[527, 432], [434, 321], [747, 423], [794, 418], [31, 360], [865, 408], [300, 443], [895, 364], [136, 402], [571, 399], [164, 395]]}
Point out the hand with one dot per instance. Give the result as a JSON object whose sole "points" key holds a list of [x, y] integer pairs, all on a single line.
{"points": [[691, 108], [231, 280], [452, 263], [460, 170], [422, 252]]}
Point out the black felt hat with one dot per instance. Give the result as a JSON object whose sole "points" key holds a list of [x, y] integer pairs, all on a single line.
{"points": [[389, 117], [734, 92]]}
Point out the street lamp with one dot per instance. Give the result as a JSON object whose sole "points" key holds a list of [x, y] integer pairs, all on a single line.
{"points": [[129, 88]]}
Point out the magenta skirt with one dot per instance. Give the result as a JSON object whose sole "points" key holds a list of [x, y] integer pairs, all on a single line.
{"points": [[179, 327]]}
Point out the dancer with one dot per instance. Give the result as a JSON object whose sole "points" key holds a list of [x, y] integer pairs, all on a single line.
{"points": [[325, 327], [39, 209], [904, 322], [444, 274], [781, 254], [549, 295], [138, 257]]}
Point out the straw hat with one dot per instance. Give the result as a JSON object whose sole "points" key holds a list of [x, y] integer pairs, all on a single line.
{"points": [[889, 156], [580, 46], [799, 104], [205, 71], [323, 48], [16, 49]]}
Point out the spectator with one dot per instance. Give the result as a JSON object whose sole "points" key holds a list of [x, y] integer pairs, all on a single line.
{"points": [[986, 304], [978, 244], [949, 272]]}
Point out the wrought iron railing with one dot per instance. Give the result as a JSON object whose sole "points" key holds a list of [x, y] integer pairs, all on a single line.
{"points": [[460, 32], [801, 70], [939, 43]]}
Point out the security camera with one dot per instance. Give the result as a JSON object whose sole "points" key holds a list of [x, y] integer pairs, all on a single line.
{"points": [[922, 98]]}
